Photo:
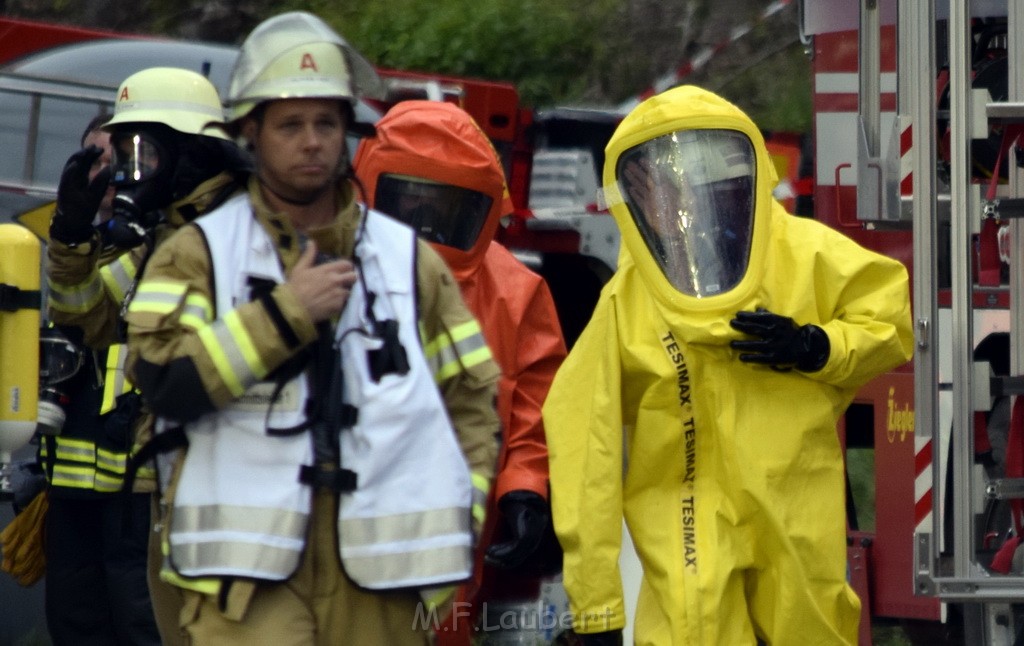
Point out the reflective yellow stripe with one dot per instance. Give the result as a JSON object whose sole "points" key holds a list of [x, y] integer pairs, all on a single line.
{"points": [[481, 487], [145, 473], [204, 586], [115, 383], [477, 356], [111, 461], [246, 348], [197, 312], [75, 450], [433, 598], [107, 483], [157, 297], [480, 482], [80, 464], [462, 348], [73, 477], [456, 334], [233, 353], [118, 276], [75, 299]]}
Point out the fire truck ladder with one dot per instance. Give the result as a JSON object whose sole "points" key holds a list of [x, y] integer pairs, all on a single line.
{"points": [[950, 385], [33, 106]]}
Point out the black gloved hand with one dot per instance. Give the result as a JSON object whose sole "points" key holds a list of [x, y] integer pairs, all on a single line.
{"points": [[607, 638], [526, 514], [783, 343], [78, 199]]}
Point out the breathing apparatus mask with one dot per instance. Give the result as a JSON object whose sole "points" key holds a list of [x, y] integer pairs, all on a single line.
{"points": [[152, 167], [142, 173], [59, 361]]}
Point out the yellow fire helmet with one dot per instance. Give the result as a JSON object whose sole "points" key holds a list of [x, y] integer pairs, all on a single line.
{"points": [[297, 55], [181, 99]]}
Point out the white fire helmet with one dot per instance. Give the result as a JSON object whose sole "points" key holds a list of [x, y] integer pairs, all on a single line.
{"points": [[182, 99], [297, 55]]}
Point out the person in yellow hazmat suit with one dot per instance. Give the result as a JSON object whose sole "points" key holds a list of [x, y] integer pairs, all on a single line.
{"points": [[700, 403]]}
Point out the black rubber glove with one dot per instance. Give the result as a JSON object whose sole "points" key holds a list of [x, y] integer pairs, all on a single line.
{"points": [[526, 514], [607, 638], [78, 199], [783, 343]]}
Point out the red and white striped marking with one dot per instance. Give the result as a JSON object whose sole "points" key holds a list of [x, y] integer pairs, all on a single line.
{"points": [[906, 148], [922, 484]]}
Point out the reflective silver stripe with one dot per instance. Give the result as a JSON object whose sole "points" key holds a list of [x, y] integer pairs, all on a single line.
{"points": [[75, 298], [118, 276], [237, 558], [111, 461], [284, 523], [196, 313], [115, 383], [230, 348], [157, 297], [107, 483], [259, 542], [409, 568], [447, 358], [426, 525], [479, 501], [190, 107], [76, 451], [73, 477]]}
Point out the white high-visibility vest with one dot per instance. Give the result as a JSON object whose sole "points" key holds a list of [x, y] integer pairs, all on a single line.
{"points": [[240, 509]]}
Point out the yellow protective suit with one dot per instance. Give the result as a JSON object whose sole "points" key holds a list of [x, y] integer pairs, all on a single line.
{"points": [[729, 475]]}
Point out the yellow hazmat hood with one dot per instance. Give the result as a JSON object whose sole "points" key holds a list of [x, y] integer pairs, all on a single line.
{"points": [[680, 109]]}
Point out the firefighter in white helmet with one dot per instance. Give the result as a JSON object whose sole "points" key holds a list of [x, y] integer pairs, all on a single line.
{"points": [[168, 166], [335, 393], [701, 401]]}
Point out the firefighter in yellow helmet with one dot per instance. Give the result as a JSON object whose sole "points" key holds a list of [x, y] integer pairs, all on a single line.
{"points": [[161, 167], [701, 401], [335, 393]]}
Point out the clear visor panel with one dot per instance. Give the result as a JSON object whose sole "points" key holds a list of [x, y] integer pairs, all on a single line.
{"points": [[135, 157], [691, 195], [59, 359], [440, 213]]}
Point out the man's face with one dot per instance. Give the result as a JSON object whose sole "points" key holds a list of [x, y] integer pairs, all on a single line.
{"points": [[101, 139], [422, 196], [298, 146]]}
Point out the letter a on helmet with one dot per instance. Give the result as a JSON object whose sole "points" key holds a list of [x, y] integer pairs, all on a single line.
{"points": [[181, 99], [297, 55]]}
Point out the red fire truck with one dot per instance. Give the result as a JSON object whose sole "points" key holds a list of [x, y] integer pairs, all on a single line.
{"points": [[917, 115]]}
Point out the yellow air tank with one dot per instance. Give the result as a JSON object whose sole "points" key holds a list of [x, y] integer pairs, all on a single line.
{"points": [[19, 340]]}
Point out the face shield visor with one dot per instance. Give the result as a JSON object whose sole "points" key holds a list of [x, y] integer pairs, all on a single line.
{"points": [[136, 157], [59, 358], [440, 213], [142, 173], [691, 195]]}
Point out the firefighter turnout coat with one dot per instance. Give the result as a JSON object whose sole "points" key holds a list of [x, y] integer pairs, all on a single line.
{"points": [[201, 352], [729, 475], [87, 285]]}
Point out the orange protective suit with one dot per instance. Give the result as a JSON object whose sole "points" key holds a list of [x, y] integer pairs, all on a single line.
{"points": [[441, 143]]}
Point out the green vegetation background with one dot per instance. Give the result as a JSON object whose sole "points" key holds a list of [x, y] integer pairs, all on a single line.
{"points": [[557, 52]]}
